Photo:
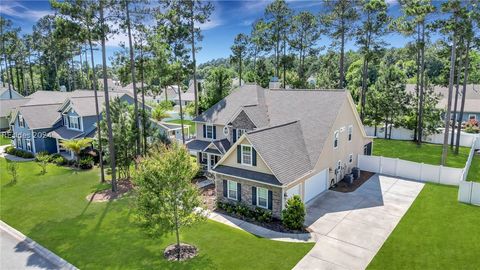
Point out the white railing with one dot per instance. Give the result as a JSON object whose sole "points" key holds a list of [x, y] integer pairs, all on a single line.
{"points": [[468, 191]]}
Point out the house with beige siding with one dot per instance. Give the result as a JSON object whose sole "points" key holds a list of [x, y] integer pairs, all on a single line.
{"points": [[262, 146]]}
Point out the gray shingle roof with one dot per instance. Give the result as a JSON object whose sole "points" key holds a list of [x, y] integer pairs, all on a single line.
{"points": [[292, 125], [197, 145], [247, 174], [283, 150], [41, 115], [9, 105], [64, 133]]}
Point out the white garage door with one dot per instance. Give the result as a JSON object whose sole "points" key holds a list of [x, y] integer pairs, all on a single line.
{"points": [[293, 191], [315, 185]]}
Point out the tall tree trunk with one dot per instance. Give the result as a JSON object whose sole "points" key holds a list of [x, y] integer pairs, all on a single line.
{"points": [[364, 88], [9, 81], [132, 69], [283, 62], [42, 77], [457, 86], [417, 85], [449, 101], [422, 86], [240, 71], [342, 56], [97, 111], [10, 67], [194, 63], [17, 74], [111, 145], [181, 107], [142, 75], [30, 69], [464, 90]]}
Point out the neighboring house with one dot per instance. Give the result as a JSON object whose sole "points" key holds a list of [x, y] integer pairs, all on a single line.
{"points": [[188, 96], [263, 146], [51, 116], [7, 106], [172, 130], [5, 93], [472, 100], [169, 93]]}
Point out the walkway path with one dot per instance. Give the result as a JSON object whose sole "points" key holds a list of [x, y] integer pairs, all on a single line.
{"points": [[20, 252]]}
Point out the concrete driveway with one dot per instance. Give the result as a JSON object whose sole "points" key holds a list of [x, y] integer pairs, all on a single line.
{"points": [[351, 227]]}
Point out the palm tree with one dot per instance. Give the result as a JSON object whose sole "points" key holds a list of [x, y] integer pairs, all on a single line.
{"points": [[159, 113], [76, 146]]}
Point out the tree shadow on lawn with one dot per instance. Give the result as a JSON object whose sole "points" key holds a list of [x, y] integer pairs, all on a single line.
{"points": [[109, 239]]}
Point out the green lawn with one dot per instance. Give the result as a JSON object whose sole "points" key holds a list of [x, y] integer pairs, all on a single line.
{"points": [[52, 210], [185, 122], [437, 232], [4, 140], [427, 153], [474, 172]]}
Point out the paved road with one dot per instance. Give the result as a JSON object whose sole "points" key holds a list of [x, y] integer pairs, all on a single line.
{"points": [[352, 227], [15, 255]]}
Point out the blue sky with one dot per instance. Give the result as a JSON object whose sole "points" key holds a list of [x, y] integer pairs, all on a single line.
{"points": [[228, 19]]}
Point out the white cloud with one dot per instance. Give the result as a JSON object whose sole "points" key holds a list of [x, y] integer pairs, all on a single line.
{"points": [[17, 10]]}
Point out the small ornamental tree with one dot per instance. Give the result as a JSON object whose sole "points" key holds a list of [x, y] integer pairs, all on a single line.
{"points": [[76, 146], [12, 169], [293, 215], [166, 198], [42, 161]]}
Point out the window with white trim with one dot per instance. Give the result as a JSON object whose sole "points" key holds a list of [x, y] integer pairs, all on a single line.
{"points": [[204, 157], [209, 131], [350, 131], [74, 122], [232, 190], [246, 155], [19, 143], [65, 120], [21, 121], [240, 133], [335, 138], [262, 197], [350, 158], [28, 144]]}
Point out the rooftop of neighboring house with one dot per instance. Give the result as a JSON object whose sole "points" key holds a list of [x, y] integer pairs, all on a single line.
{"points": [[472, 97], [8, 105], [4, 90], [300, 119]]}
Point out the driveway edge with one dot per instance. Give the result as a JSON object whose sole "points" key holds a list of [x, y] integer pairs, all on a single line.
{"points": [[47, 254]]}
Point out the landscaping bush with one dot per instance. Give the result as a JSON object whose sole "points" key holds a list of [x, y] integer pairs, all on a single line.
{"points": [[293, 216], [246, 212], [42, 160], [18, 152], [59, 160], [43, 156], [86, 163]]}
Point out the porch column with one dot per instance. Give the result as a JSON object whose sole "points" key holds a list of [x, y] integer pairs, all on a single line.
{"points": [[208, 162], [58, 147]]}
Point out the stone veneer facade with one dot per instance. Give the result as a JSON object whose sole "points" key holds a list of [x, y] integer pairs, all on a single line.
{"points": [[247, 193]]}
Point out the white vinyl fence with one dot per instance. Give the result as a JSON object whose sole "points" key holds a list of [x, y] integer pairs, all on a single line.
{"points": [[466, 139], [468, 192], [411, 170]]}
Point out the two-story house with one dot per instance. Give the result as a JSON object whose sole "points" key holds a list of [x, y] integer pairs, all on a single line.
{"points": [[263, 146], [50, 117]]}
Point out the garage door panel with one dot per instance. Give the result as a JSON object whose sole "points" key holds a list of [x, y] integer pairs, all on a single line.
{"points": [[315, 185]]}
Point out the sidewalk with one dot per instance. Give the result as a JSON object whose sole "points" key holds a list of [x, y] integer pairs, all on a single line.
{"points": [[12, 157], [20, 252]]}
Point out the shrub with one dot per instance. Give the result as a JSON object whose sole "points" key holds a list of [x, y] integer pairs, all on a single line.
{"points": [[18, 152], [262, 215], [86, 163], [59, 160], [245, 211], [12, 169], [9, 150], [293, 216]]}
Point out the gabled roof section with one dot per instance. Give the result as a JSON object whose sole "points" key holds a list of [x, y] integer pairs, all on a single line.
{"points": [[242, 120], [283, 149], [39, 116], [224, 110], [8, 106]]}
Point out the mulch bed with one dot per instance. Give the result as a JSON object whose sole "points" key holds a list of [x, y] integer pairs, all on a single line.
{"points": [[186, 252], [344, 187], [123, 186], [274, 225]]}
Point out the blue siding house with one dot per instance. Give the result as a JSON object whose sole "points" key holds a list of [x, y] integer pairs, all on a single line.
{"points": [[39, 126]]}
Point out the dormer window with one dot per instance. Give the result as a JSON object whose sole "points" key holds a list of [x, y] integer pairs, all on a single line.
{"points": [[21, 121], [65, 120], [246, 155], [240, 133], [74, 122]]}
